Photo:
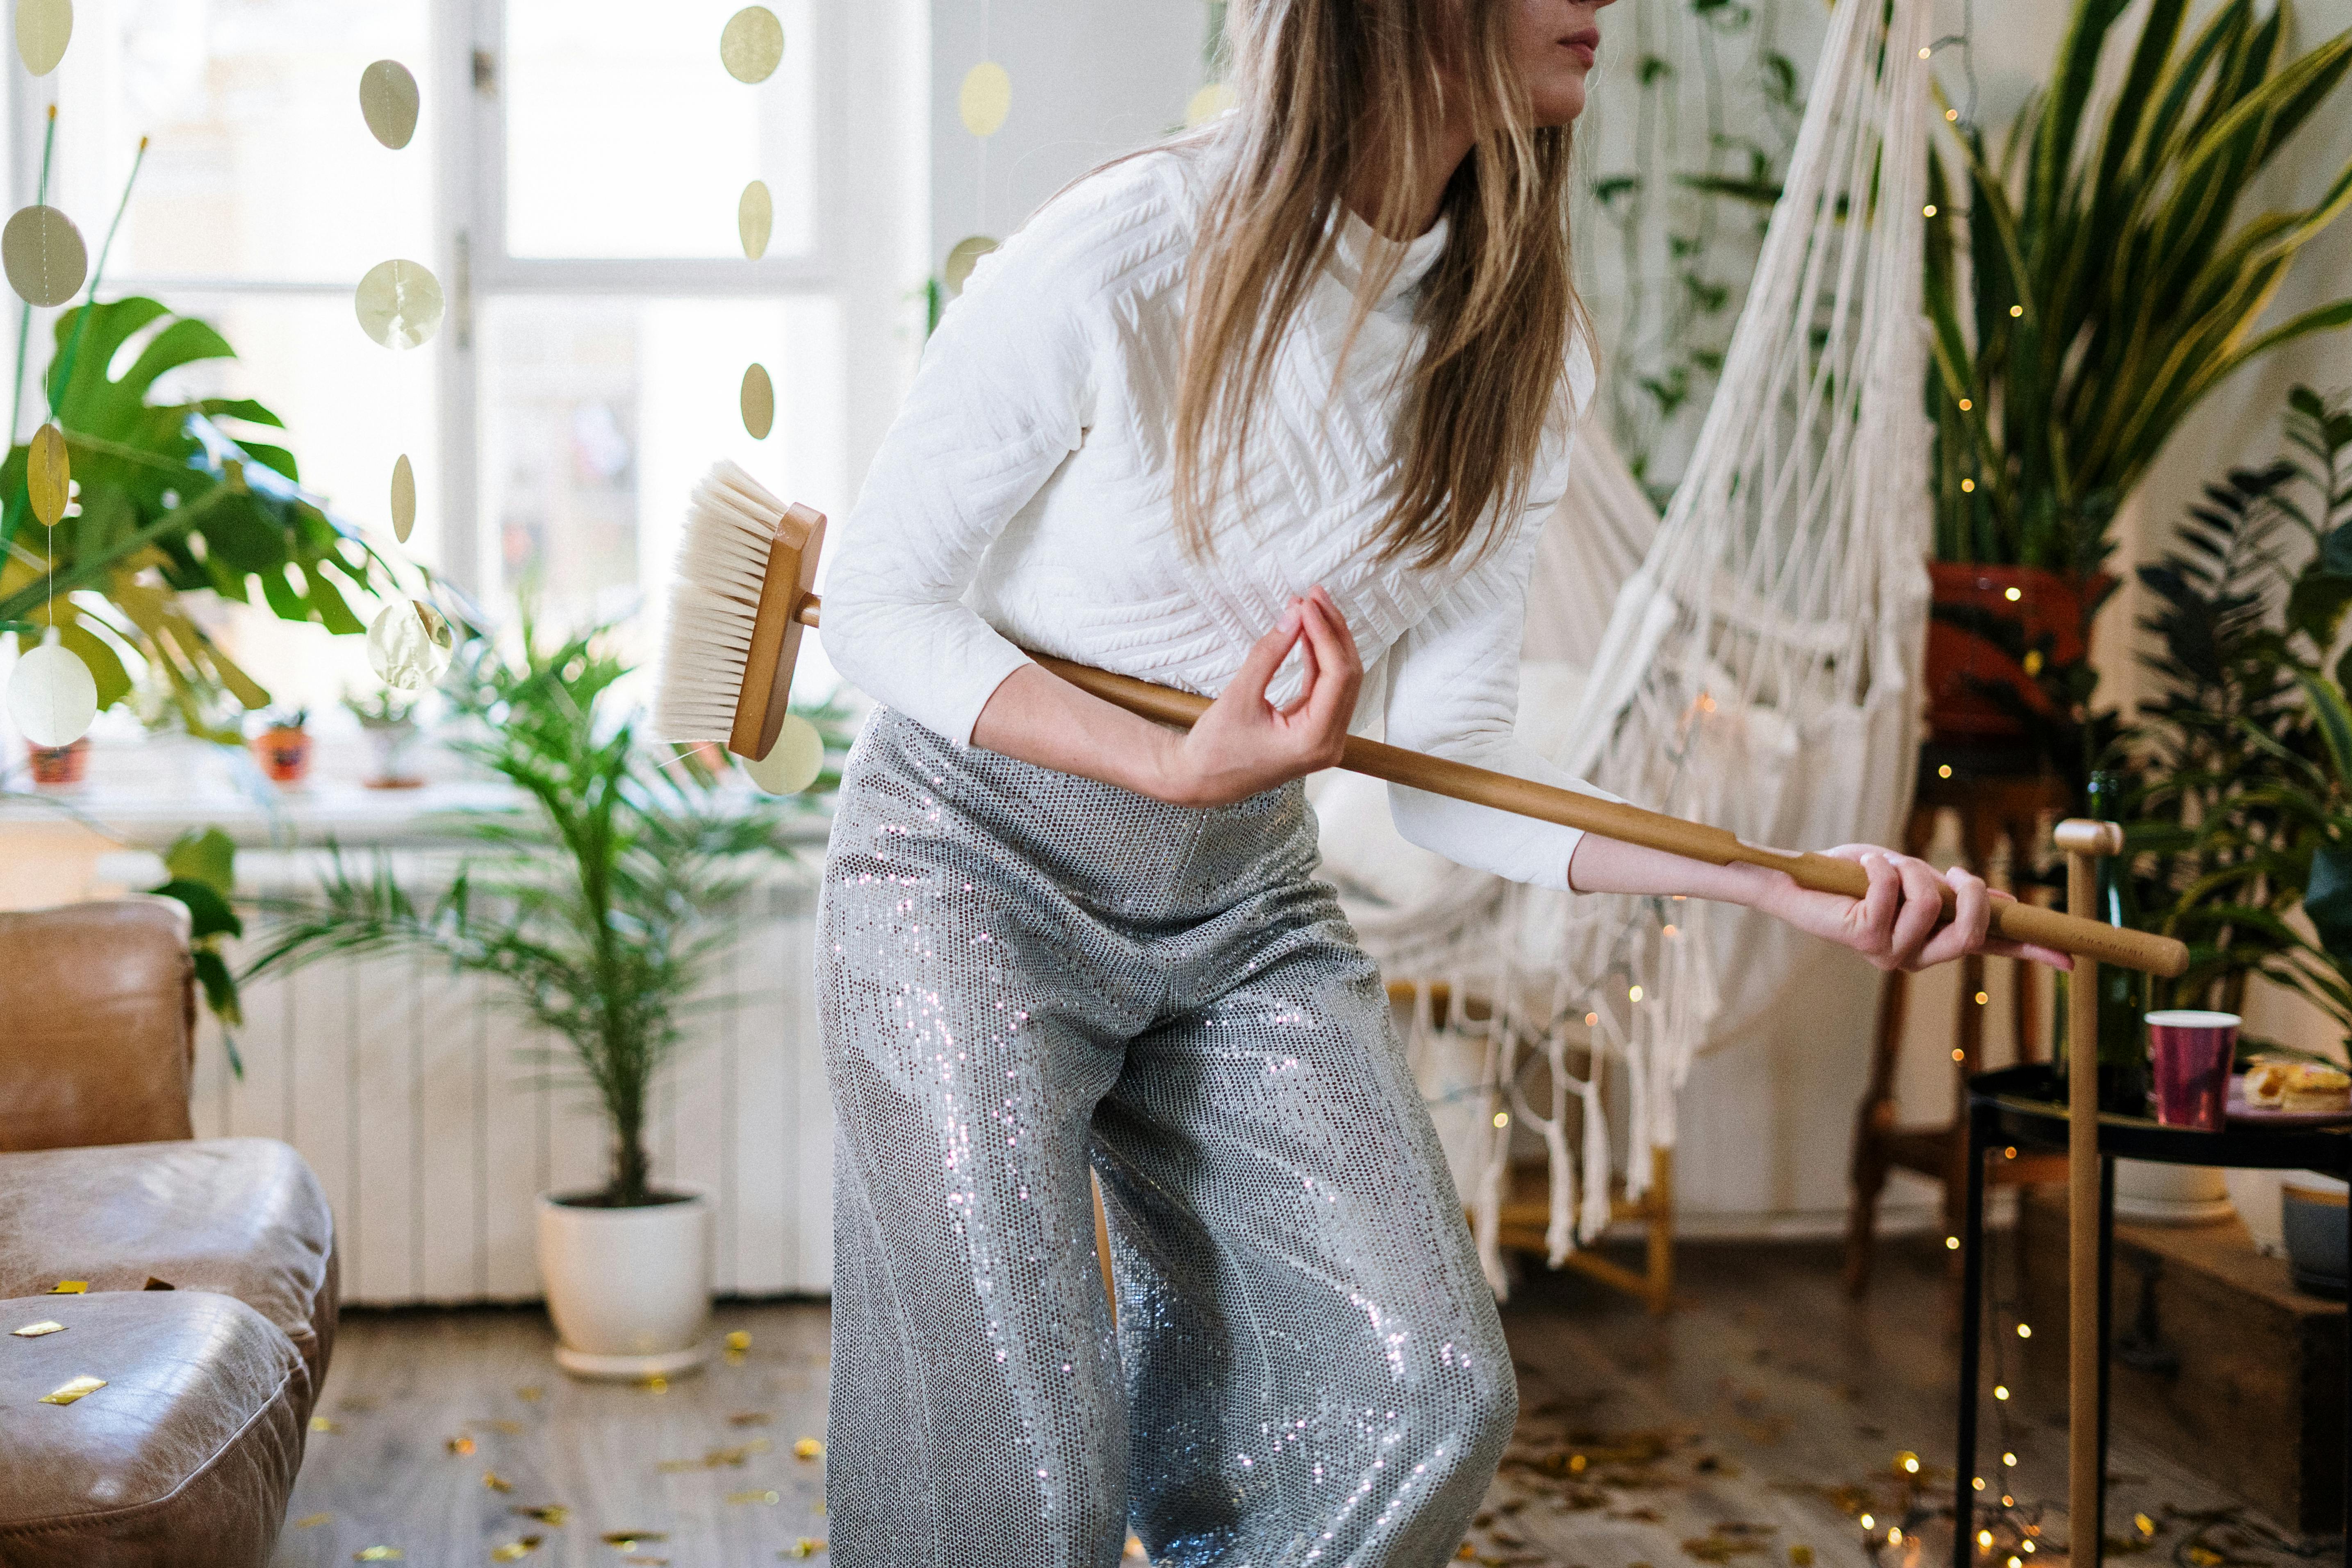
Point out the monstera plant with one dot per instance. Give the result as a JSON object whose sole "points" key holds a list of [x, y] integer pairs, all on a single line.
{"points": [[175, 499]]}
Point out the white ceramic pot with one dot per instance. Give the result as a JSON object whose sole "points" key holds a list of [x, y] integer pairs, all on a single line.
{"points": [[2150, 1191], [629, 1289]]}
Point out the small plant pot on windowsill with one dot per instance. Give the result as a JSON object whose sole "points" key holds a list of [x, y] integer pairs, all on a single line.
{"points": [[58, 767], [388, 744], [629, 1289], [285, 755]]}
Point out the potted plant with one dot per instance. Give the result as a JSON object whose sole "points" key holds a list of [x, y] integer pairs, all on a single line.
{"points": [[58, 767], [283, 748], [2087, 284], [388, 719], [598, 909], [2239, 794]]}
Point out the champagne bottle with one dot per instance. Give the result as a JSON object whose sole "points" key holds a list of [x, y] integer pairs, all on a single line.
{"points": [[2121, 1049]]}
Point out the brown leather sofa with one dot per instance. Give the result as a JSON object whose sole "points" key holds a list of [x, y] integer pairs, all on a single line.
{"points": [[209, 1265]]}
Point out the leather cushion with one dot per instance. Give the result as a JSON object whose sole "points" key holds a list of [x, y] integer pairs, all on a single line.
{"points": [[97, 1024], [186, 1456], [243, 1216]]}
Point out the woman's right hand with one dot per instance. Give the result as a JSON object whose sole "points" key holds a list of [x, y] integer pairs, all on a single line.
{"points": [[1244, 744]]}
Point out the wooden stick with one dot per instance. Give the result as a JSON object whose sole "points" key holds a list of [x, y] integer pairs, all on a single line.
{"points": [[2016, 922], [2084, 842]]}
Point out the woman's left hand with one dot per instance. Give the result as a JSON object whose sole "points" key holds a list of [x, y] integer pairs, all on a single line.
{"points": [[1899, 923]]}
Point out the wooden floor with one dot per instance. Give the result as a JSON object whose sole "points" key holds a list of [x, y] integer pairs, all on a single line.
{"points": [[1753, 1428]]}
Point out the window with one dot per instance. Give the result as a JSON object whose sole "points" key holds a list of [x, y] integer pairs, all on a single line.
{"points": [[573, 184]]}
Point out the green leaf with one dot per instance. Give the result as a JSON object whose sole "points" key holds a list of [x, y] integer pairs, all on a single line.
{"points": [[220, 995], [2316, 606], [207, 856], [105, 667], [2328, 900], [2334, 717], [208, 911]]}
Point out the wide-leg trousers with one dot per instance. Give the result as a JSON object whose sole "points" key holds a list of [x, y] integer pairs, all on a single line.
{"points": [[1024, 975]]}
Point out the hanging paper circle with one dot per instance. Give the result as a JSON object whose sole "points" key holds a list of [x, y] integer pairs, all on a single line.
{"points": [[51, 695], [49, 474], [404, 498], [793, 763], [399, 304], [962, 259], [388, 102], [986, 99], [43, 255], [758, 401], [43, 28], [753, 46], [410, 644], [1207, 104], [755, 218]]}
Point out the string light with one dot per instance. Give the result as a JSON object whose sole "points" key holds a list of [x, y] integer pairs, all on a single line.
{"points": [[2025, 1331], [1590, 1019], [1895, 1535], [2016, 310], [1978, 1484], [1959, 1054], [1927, 211], [2013, 594], [1951, 115], [1951, 1244], [2026, 1546], [2010, 1459], [1868, 1523], [1634, 993], [2000, 1391], [1502, 1118], [1982, 998], [1943, 770], [1911, 1463], [1984, 1537], [1969, 486], [1966, 404]]}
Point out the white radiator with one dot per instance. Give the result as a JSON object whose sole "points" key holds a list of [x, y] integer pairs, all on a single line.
{"points": [[408, 1089]]}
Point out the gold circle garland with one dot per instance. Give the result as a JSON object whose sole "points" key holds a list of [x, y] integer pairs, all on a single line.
{"points": [[399, 304], [986, 99], [388, 102], [43, 255], [752, 44]]}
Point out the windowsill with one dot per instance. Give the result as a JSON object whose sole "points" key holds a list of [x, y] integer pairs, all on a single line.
{"points": [[144, 793]]}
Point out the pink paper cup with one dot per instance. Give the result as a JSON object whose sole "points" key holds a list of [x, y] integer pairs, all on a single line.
{"points": [[2192, 1051]]}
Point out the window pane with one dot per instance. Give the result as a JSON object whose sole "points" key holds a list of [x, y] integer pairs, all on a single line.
{"points": [[260, 165], [625, 137], [598, 415]]}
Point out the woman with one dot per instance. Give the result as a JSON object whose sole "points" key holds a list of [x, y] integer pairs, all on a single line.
{"points": [[1198, 422]]}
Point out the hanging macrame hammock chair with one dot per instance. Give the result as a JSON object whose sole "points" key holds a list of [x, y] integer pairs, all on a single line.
{"points": [[1758, 668]]}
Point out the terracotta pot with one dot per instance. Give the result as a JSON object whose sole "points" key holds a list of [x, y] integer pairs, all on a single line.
{"points": [[2051, 612], [285, 755], [56, 767]]}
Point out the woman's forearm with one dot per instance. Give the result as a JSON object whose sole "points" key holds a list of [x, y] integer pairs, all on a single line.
{"points": [[1601, 865], [1037, 717]]}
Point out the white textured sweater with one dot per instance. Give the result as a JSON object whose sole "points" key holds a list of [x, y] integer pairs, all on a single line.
{"points": [[1023, 496]]}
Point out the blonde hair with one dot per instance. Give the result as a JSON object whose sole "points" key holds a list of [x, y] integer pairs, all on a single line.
{"points": [[1316, 81]]}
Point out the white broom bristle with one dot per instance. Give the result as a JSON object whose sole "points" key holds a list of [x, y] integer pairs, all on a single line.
{"points": [[722, 559]]}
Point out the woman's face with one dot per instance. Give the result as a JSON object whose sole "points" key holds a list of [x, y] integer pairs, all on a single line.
{"points": [[1554, 42]]}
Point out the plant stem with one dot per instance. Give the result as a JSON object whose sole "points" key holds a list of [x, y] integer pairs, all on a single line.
{"points": [[25, 329], [63, 373]]}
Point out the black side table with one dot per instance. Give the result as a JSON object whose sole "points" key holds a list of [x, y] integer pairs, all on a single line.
{"points": [[2026, 1105]]}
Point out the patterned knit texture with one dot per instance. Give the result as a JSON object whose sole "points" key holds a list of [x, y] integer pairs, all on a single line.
{"points": [[1023, 496]]}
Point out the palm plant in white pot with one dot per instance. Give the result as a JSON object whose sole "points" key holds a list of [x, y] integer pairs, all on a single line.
{"points": [[599, 910]]}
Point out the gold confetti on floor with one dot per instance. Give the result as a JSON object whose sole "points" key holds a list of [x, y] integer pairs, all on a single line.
{"points": [[70, 1287], [549, 1513], [655, 1385], [67, 1392], [460, 1446], [507, 1428], [324, 1423], [769, 1496], [530, 1393], [743, 1418], [630, 1540], [378, 1555], [314, 1520], [497, 1482], [739, 1341], [808, 1449], [516, 1550], [807, 1546], [35, 1331]]}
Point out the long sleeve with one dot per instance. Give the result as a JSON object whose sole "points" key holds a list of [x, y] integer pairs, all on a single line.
{"points": [[1004, 396], [1454, 692]]}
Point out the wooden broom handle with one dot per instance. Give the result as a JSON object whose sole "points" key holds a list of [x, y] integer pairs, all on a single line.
{"points": [[2016, 922]]}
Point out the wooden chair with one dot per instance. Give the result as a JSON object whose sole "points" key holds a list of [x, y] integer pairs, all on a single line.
{"points": [[1526, 1210], [1995, 811]]}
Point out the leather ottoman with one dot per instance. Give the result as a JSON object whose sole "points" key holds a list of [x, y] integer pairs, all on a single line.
{"points": [[186, 1456], [239, 1216]]}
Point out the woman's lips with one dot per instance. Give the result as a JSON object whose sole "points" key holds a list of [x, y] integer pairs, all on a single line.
{"points": [[1584, 46]]}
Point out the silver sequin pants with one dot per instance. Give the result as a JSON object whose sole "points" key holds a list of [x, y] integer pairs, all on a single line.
{"points": [[1023, 974]]}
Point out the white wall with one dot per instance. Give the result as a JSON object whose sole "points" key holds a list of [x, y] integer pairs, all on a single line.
{"points": [[1091, 78]]}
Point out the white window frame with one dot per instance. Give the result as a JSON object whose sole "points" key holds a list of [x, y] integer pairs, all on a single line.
{"points": [[869, 225]]}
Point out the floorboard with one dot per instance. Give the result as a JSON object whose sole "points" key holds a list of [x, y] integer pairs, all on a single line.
{"points": [[1753, 1428]]}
